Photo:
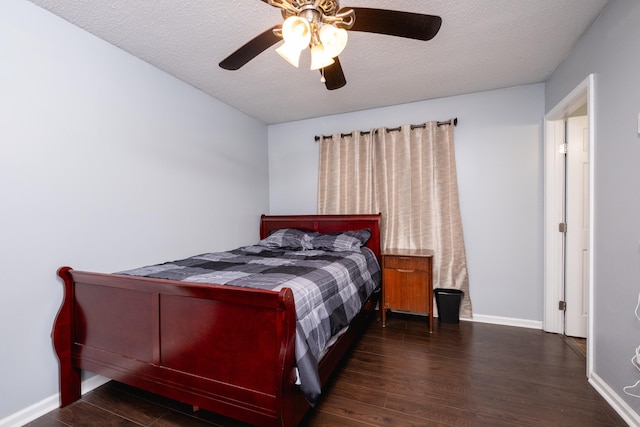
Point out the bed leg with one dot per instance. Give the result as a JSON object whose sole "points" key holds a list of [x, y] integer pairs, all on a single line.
{"points": [[69, 376], [62, 336], [69, 385]]}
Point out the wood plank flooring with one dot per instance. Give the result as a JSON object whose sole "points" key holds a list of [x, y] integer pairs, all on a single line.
{"points": [[466, 374]]}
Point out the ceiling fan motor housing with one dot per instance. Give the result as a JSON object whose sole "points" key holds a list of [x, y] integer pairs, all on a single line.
{"points": [[328, 7], [316, 12]]}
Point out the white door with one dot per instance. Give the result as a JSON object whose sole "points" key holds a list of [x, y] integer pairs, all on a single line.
{"points": [[577, 220]]}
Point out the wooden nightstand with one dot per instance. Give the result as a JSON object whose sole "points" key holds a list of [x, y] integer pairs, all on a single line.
{"points": [[407, 282]]}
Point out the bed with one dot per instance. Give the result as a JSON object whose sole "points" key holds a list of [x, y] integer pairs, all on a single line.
{"points": [[224, 348]]}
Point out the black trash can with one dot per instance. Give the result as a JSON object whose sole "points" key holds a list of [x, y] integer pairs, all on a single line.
{"points": [[448, 303]]}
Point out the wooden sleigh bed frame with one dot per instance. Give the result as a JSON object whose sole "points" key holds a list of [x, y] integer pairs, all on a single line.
{"points": [[197, 343]]}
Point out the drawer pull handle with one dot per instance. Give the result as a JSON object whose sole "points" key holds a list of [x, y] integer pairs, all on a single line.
{"points": [[404, 271]]}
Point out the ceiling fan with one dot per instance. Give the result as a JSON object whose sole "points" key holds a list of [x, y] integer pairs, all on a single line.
{"points": [[322, 26]]}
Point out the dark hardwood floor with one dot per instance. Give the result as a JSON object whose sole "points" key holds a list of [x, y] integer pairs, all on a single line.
{"points": [[466, 374]]}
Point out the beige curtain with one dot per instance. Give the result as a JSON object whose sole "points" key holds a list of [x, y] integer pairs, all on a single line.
{"points": [[408, 174], [346, 174]]}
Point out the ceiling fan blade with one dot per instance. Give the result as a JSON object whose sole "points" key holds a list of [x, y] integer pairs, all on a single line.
{"points": [[251, 49], [396, 23], [334, 75]]}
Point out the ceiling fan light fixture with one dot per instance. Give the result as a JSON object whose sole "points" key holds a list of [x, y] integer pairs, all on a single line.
{"points": [[333, 39], [296, 32], [320, 58], [290, 53]]}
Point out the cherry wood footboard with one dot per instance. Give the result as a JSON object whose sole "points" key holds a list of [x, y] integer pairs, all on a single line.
{"points": [[226, 349]]}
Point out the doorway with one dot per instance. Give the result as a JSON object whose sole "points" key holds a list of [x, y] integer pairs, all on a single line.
{"points": [[558, 269]]}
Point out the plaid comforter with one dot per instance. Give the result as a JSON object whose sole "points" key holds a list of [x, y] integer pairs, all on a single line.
{"points": [[329, 289]]}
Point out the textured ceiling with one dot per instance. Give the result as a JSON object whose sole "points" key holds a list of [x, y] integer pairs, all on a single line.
{"points": [[482, 45]]}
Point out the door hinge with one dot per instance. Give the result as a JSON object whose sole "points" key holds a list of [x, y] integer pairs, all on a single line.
{"points": [[562, 305], [563, 148], [562, 227]]}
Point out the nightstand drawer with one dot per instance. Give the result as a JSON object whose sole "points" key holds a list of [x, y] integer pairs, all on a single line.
{"points": [[406, 263]]}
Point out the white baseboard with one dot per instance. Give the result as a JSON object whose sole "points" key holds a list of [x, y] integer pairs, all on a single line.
{"points": [[506, 321], [38, 409], [496, 320], [625, 411]]}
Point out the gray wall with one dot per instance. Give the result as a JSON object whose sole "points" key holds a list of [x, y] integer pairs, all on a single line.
{"points": [[499, 156], [106, 163], [611, 49]]}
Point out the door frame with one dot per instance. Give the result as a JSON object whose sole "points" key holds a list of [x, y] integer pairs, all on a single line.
{"points": [[554, 180]]}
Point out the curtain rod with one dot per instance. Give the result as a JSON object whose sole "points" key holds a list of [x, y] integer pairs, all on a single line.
{"points": [[453, 122]]}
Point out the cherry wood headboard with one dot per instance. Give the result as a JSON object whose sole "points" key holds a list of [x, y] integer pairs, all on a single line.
{"points": [[326, 224]]}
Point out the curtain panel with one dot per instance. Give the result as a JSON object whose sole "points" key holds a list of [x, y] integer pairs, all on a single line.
{"points": [[345, 184], [409, 175]]}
